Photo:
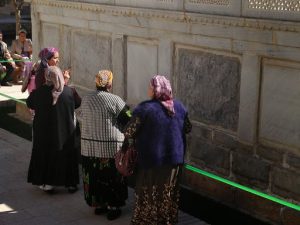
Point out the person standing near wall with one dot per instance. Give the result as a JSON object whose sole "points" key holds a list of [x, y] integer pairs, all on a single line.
{"points": [[103, 116], [157, 130], [54, 161]]}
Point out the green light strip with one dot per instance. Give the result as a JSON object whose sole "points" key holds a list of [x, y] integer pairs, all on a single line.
{"points": [[244, 188], [16, 60], [15, 99]]}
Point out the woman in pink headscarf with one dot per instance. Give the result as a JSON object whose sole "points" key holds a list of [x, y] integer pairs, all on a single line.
{"points": [[157, 129]]}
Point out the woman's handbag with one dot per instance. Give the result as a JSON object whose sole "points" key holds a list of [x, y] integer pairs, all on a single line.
{"points": [[125, 159]]}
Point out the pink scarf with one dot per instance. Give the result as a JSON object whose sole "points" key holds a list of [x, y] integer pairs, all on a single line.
{"points": [[163, 92]]}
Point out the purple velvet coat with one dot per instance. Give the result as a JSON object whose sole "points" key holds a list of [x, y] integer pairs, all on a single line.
{"points": [[160, 140]]}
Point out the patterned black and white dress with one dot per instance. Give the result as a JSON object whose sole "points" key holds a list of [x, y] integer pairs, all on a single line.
{"points": [[103, 115]]}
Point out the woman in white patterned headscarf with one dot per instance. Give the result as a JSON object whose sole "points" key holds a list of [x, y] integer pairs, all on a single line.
{"points": [[103, 115], [54, 77]]}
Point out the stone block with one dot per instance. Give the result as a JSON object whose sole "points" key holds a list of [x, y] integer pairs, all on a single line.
{"points": [[224, 139], [232, 32], [257, 206], [208, 187], [244, 149], [293, 160], [215, 158], [286, 183], [208, 84], [202, 132], [267, 50], [250, 170], [290, 216], [274, 155], [287, 38]]}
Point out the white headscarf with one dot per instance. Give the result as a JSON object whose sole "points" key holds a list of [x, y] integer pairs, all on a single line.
{"points": [[54, 76]]}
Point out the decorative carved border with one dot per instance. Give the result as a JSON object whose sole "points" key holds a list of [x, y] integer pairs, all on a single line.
{"points": [[274, 5], [173, 16], [210, 2]]}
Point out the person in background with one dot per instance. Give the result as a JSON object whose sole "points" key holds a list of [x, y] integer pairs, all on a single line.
{"points": [[103, 115], [54, 161], [21, 48], [157, 129], [7, 65], [21, 51]]}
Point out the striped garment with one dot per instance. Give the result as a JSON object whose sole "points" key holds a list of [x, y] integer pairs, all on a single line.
{"points": [[100, 136]]}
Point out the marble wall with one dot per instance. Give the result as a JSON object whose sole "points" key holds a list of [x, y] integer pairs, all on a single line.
{"points": [[238, 76]]}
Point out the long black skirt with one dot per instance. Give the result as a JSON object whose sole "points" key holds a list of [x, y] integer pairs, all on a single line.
{"points": [[54, 167], [103, 185]]}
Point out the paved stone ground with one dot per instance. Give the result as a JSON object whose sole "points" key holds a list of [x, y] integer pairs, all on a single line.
{"points": [[24, 204]]}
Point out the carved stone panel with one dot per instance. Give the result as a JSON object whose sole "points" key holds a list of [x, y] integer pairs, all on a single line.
{"points": [[280, 103], [96, 50], [209, 85], [141, 66]]}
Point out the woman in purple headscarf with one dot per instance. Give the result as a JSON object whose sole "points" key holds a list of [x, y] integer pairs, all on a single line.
{"points": [[48, 57], [157, 129]]}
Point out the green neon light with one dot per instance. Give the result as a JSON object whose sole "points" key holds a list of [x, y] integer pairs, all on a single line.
{"points": [[15, 99], [244, 188]]}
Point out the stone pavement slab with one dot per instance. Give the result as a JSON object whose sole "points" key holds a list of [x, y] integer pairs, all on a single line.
{"points": [[13, 91], [24, 204]]}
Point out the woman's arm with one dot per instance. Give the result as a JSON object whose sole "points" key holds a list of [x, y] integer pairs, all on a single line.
{"points": [[132, 127], [123, 117]]}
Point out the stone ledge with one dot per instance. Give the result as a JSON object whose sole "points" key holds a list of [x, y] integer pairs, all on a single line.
{"points": [[172, 15]]}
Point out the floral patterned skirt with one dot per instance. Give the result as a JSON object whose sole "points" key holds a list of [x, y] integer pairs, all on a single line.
{"points": [[102, 183], [156, 196]]}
